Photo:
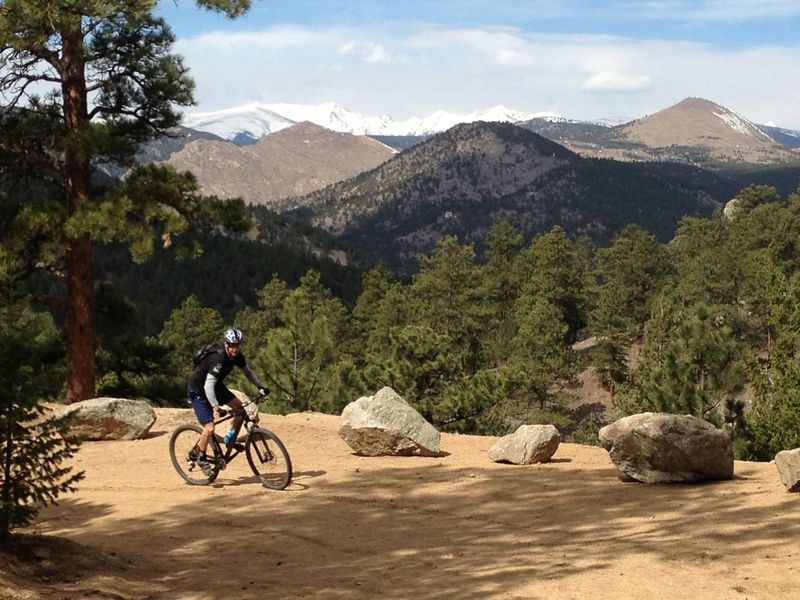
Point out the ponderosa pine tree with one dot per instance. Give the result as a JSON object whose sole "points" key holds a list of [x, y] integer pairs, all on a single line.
{"points": [[32, 449], [84, 83], [447, 298], [375, 284], [773, 422], [609, 359], [542, 362], [190, 327], [631, 271], [257, 322], [419, 366], [698, 370], [374, 325], [550, 269], [301, 354], [127, 364], [500, 288], [755, 195], [706, 256]]}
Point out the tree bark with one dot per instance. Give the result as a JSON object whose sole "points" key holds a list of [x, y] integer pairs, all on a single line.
{"points": [[79, 252], [80, 321]]}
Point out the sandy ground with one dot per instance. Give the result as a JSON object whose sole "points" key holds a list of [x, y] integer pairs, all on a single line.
{"points": [[457, 526]]}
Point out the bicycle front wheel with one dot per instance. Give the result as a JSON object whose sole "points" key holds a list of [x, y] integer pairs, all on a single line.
{"points": [[181, 447], [268, 458]]}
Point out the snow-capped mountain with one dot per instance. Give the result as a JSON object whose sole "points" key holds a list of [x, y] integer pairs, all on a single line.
{"points": [[252, 121], [716, 133], [241, 124]]}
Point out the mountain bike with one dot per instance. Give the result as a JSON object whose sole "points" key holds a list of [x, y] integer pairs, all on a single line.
{"points": [[265, 452]]}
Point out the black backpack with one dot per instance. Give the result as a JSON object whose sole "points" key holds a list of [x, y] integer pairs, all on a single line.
{"points": [[201, 354]]}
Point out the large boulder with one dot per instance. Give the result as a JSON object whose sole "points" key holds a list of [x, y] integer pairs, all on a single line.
{"points": [[109, 419], [385, 424], [527, 445], [788, 463], [664, 448]]}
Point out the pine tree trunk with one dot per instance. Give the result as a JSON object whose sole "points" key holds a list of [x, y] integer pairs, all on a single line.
{"points": [[80, 321], [79, 257]]}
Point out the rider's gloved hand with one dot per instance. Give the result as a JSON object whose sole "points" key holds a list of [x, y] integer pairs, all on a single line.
{"points": [[263, 391]]}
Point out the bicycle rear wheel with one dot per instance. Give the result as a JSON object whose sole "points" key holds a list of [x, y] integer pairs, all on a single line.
{"points": [[182, 442], [268, 458]]}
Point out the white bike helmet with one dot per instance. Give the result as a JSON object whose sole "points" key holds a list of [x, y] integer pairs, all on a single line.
{"points": [[233, 336]]}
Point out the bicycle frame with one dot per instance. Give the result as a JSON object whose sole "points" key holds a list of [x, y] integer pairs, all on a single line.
{"points": [[230, 452], [265, 452]]}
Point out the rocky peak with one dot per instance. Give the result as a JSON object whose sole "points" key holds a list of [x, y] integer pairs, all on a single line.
{"points": [[696, 122]]}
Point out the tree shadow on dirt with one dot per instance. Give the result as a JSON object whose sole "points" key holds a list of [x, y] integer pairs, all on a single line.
{"points": [[423, 529], [294, 485]]}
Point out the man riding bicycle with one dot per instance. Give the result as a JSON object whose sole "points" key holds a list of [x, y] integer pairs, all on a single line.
{"points": [[207, 391]]}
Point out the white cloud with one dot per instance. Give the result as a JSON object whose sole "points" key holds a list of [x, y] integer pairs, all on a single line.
{"points": [[414, 73], [276, 38], [610, 81], [503, 46], [368, 51]]}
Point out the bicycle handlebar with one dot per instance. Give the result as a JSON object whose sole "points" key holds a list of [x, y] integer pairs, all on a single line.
{"points": [[226, 411]]}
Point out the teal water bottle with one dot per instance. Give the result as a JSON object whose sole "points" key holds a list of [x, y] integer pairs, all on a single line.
{"points": [[229, 436]]}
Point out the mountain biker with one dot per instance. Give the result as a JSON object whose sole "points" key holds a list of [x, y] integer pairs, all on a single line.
{"points": [[207, 391]]}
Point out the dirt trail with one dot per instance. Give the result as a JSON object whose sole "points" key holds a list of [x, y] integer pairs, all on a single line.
{"points": [[458, 526]]}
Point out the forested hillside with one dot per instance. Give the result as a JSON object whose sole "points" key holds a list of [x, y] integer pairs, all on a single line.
{"points": [[461, 181], [230, 270], [482, 342]]}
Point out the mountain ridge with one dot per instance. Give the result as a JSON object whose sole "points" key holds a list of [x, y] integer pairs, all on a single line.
{"points": [[229, 122], [252, 121], [460, 181], [292, 162], [694, 131]]}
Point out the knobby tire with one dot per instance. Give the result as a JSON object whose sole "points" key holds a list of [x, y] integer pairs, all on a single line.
{"points": [[183, 439], [268, 458]]}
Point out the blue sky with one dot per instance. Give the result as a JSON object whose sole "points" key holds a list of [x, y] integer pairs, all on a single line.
{"points": [[614, 60]]}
